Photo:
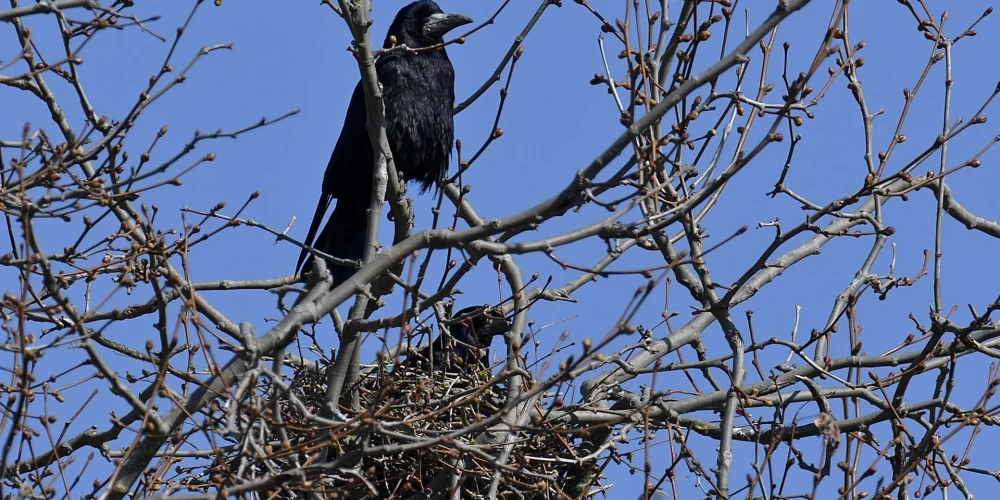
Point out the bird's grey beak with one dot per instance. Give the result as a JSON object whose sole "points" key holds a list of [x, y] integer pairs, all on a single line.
{"points": [[437, 25]]}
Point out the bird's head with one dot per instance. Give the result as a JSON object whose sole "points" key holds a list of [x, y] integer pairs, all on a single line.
{"points": [[422, 24], [485, 323]]}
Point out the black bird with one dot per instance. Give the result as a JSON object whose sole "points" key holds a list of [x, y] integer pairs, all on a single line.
{"points": [[472, 329], [418, 90]]}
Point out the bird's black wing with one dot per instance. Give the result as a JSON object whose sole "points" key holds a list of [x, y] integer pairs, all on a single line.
{"points": [[348, 169]]}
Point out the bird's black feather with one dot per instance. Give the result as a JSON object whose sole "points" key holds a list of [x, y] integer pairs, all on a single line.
{"points": [[474, 330], [349, 219], [418, 90]]}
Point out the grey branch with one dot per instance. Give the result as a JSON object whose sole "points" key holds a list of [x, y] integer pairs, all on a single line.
{"points": [[44, 7]]}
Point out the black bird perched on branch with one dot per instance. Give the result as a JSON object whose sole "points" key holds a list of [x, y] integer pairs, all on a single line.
{"points": [[418, 90], [471, 330]]}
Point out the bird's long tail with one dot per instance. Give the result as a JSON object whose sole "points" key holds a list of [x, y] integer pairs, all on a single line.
{"points": [[321, 207], [343, 236]]}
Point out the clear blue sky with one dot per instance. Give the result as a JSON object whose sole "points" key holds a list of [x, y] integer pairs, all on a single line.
{"points": [[291, 55]]}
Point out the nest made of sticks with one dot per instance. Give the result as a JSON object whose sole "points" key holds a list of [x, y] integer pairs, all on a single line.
{"points": [[415, 431]]}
